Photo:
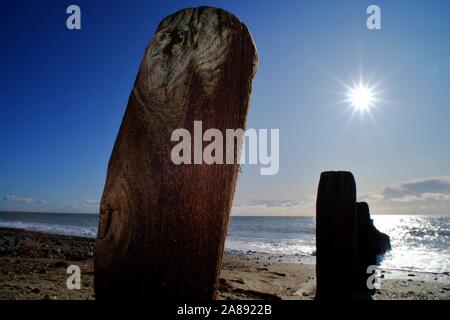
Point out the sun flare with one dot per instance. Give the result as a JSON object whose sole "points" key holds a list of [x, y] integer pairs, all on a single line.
{"points": [[361, 97]]}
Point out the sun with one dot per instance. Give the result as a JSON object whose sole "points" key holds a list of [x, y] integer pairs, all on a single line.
{"points": [[361, 97]]}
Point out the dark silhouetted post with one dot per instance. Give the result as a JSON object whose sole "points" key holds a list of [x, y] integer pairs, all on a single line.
{"points": [[163, 226], [335, 235], [365, 255]]}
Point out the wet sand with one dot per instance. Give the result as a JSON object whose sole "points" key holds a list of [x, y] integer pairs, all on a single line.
{"points": [[33, 266]]}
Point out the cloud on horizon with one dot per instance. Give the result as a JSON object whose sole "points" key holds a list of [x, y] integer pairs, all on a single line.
{"points": [[20, 203], [423, 196], [26, 200], [303, 207], [418, 188], [81, 206]]}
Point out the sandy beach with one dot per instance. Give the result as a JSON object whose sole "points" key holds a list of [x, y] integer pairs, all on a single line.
{"points": [[33, 266]]}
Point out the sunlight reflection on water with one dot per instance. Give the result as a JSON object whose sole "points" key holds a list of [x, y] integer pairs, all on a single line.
{"points": [[418, 242]]}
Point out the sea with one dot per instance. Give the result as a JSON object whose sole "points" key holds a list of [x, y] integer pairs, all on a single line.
{"points": [[419, 243]]}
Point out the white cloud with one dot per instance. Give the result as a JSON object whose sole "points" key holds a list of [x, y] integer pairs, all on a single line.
{"points": [[82, 205], [25, 200], [91, 202], [436, 196], [19, 203], [298, 207], [405, 199]]}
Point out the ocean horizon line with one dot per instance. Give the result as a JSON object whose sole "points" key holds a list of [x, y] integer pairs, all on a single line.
{"points": [[238, 215]]}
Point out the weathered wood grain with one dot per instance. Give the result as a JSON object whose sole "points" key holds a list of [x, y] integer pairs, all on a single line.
{"points": [[163, 226]]}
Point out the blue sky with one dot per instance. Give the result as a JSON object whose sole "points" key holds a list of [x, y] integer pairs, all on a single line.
{"points": [[63, 94]]}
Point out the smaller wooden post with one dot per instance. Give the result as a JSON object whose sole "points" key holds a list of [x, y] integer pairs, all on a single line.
{"points": [[335, 235], [364, 255]]}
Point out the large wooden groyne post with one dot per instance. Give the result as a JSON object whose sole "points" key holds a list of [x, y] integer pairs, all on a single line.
{"points": [[163, 226]]}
